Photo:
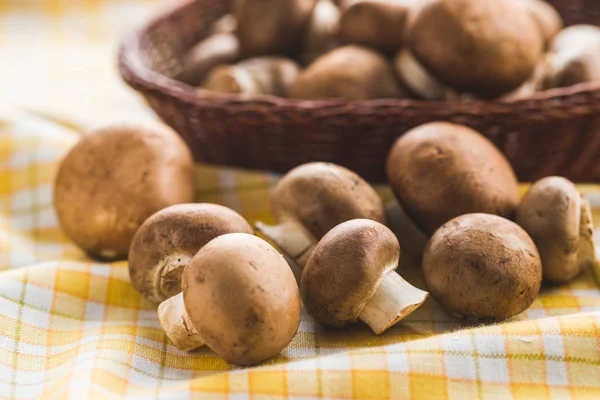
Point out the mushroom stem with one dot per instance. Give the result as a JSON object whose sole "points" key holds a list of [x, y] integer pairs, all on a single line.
{"points": [[176, 323], [291, 239], [168, 275], [587, 247], [393, 300]]}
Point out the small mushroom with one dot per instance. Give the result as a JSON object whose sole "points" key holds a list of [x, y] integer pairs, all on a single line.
{"points": [[220, 48], [560, 223], [545, 15], [312, 199], [574, 57], [369, 77], [261, 75], [378, 24], [411, 237], [442, 170], [487, 48], [351, 275], [482, 266], [239, 298], [271, 26], [322, 33], [167, 241], [114, 179]]}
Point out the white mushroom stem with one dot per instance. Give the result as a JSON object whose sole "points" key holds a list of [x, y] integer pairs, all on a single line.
{"points": [[176, 323], [291, 239], [167, 278], [393, 300], [587, 247]]}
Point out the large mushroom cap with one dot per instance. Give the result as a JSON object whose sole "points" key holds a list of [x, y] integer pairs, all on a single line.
{"points": [[482, 266], [441, 170], [167, 240], [553, 213], [114, 179], [487, 48], [345, 269], [320, 196], [349, 72], [242, 298]]}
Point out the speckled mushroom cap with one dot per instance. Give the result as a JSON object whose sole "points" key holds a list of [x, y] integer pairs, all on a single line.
{"points": [[348, 72], [322, 195], [114, 179], [242, 298], [171, 237], [441, 170], [482, 266], [345, 269], [551, 213], [487, 48]]}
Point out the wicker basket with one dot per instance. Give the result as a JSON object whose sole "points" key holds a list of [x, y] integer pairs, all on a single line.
{"points": [[554, 132]]}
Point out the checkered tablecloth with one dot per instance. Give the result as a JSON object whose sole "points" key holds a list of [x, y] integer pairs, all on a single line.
{"points": [[73, 328]]}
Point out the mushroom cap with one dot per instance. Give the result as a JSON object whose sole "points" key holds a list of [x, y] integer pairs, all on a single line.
{"points": [[271, 26], [482, 266], [345, 269], [442, 170], [550, 212], [176, 232], [321, 196], [487, 48], [378, 24], [348, 72], [545, 15], [114, 179], [241, 296]]}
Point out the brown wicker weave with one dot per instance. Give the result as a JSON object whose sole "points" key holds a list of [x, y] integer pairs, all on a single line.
{"points": [[554, 132]]}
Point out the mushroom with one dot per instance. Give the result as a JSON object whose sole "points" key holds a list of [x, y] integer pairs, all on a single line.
{"points": [[441, 170], [351, 275], [349, 72], [560, 223], [411, 237], [482, 266], [546, 17], [272, 26], [114, 179], [574, 57], [167, 241], [487, 48], [312, 199], [220, 48], [322, 33], [378, 24], [239, 298], [262, 75]]}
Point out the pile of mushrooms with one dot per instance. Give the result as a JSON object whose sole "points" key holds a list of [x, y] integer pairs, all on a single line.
{"points": [[380, 49]]}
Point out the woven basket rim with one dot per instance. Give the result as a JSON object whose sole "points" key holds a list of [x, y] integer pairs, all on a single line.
{"points": [[137, 74]]}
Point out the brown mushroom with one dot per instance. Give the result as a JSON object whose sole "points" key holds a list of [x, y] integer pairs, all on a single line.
{"points": [[574, 57], [167, 241], [441, 170], [312, 199], [272, 26], [487, 48], [261, 75], [560, 223], [351, 275], [546, 17], [114, 179], [349, 72], [239, 298], [322, 32], [378, 24], [482, 266]]}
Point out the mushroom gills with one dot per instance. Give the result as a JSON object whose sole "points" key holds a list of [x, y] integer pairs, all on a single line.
{"points": [[292, 240], [393, 300], [168, 276], [587, 248], [176, 323]]}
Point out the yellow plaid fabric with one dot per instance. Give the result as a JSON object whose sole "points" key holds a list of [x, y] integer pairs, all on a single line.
{"points": [[73, 328]]}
